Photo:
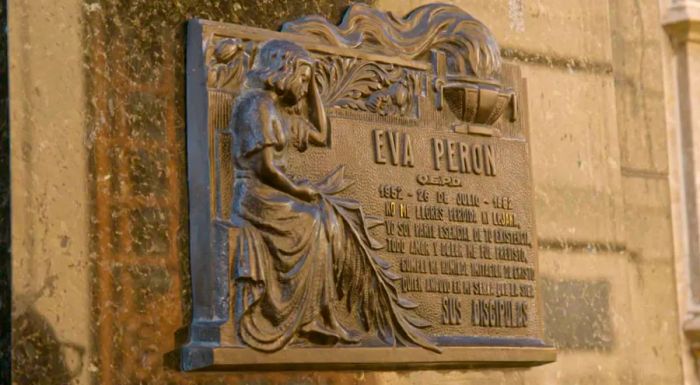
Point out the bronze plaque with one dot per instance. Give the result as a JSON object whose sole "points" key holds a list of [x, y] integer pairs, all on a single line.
{"points": [[360, 196]]}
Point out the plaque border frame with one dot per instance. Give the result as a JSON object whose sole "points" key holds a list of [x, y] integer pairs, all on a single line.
{"points": [[198, 344]]}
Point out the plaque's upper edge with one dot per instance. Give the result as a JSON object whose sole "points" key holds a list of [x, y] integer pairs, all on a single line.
{"points": [[309, 42], [470, 45]]}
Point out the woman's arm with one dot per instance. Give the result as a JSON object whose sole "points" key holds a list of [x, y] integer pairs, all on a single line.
{"points": [[271, 175], [318, 118]]}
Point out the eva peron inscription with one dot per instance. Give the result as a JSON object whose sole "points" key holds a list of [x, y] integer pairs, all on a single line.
{"points": [[360, 196]]}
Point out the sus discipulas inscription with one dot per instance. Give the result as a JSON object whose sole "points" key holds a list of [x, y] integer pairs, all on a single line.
{"points": [[360, 196]]}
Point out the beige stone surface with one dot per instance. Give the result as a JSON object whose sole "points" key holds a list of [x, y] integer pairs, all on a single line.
{"points": [[647, 220], [49, 161], [574, 155], [551, 28], [599, 365], [682, 90], [637, 44]]}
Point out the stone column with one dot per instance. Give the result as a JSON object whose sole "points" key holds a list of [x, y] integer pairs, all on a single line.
{"points": [[682, 23]]}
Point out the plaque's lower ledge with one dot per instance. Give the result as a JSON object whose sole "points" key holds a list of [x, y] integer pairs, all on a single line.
{"points": [[242, 359]]}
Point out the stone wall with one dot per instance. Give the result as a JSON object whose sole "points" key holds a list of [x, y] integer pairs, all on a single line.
{"points": [[99, 191], [6, 264]]}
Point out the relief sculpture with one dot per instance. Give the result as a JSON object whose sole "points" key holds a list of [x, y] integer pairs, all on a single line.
{"points": [[359, 196], [366, 86], [302, 247]]}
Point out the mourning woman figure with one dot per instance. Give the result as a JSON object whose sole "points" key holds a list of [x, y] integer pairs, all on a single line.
{"points": [[302, 253]]}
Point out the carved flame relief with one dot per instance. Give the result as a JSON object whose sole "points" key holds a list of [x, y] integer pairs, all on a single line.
{"points": [[469, 44]]}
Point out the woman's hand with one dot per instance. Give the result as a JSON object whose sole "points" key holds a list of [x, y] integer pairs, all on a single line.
{"points": [[307, 192]]}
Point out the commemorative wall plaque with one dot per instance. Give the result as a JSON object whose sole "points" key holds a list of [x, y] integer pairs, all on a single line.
{"points": [[360, 196]]}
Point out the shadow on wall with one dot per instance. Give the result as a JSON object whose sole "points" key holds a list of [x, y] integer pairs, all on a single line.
{"points": [[39, 357]]}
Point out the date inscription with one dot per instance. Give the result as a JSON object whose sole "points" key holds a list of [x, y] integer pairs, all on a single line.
{"points": [[471, 249]]}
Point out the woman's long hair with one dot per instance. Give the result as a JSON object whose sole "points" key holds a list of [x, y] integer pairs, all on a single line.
{"points": [[275, 65]]}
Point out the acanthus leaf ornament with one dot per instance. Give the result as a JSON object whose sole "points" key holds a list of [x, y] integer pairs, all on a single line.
{"points": [[366, 86]]}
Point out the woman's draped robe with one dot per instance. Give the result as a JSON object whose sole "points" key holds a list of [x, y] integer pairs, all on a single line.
{"points": [[295, 259]]}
